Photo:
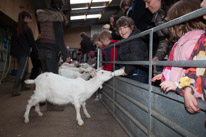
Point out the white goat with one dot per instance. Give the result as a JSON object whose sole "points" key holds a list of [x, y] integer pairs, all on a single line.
{"points": [[61, 90], [73, 72]]}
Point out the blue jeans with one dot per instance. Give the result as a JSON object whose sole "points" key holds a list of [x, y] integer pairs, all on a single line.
{"points": [[49, 60], [22, 65], [140, 76]]}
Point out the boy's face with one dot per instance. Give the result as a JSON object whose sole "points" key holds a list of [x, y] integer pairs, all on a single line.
{"points": [[98, 44], [125, 31], [105, 41]]}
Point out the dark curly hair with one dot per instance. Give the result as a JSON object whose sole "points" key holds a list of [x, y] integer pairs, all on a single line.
{"points": [[124, 21]]}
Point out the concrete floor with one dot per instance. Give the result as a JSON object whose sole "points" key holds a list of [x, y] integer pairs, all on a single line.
{"points": [[53, 124]]}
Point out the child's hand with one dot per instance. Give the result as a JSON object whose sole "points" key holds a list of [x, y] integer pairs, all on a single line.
{"points": [[168, 85], [155, 59], [190, 101], [157, 77], [124, 74]]}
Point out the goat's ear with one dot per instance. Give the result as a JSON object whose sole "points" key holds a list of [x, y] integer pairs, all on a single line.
{"points": [[93, 65]]}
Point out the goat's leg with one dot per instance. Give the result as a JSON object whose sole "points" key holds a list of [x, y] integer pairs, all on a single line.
{"points": [[31, 102], [37, 109], [78, 116], [85, 110]]}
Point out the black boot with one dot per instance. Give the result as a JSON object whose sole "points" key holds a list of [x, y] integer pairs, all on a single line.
{"points": [[15, 90]]}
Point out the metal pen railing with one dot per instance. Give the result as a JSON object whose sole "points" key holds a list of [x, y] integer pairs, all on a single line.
{"points": [[189, 16], [152, 89]]}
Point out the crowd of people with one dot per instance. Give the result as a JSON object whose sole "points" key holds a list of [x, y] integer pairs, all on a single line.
{"points": [[181, 42], [185, 41]]}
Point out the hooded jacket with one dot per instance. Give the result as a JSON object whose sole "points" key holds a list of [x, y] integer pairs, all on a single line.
{"points": [[133, 50]]}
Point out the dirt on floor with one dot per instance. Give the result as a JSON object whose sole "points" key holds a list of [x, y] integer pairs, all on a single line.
{"points": [[53, 123]]}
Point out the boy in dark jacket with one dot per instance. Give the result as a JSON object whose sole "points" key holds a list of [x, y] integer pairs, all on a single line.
{"points": [[133, 50]]}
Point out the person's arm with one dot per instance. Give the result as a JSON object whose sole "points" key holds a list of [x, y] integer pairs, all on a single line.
{"points": [[31, 41], [59, 35], [161, 50], [190, 101], [138, 52]]}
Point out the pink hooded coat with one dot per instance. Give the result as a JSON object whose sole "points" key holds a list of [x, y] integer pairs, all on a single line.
{"points": [[182, 52]]}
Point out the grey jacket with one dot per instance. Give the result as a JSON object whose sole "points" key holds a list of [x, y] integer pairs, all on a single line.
{"points": [[159, 18]]}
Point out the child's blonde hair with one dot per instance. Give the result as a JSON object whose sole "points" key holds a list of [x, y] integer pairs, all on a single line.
{"points": [[95, 37], [105, 34]]}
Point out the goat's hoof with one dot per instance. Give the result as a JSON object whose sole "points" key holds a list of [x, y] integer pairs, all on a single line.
{"points": [[26, 121], [88, 116], [80, 123], [40, 114]]}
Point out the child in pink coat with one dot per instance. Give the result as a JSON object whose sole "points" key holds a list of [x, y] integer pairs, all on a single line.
{"points": [[187, 34]]}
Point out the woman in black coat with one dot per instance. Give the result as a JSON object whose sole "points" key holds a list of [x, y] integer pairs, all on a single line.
{"points": [[21, 42]]}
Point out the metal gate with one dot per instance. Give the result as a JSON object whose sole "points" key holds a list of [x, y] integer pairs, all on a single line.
{"points": [[144, 110]]}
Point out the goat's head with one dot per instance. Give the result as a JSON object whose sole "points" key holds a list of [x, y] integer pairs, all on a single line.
{"points": [[104, 75]]}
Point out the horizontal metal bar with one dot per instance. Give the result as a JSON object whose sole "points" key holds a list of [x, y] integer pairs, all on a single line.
{"points": [[175, 97], [157, 90], [172, 125], [136, 83], [129, 62], [197, 63], [136, 122], [189, 16], [137, 103], [120, 122]]}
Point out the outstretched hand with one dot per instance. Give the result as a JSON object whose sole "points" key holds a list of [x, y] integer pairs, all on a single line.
{"points": [[157, 77]]}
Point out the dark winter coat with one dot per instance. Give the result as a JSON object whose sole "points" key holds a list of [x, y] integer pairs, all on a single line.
{"points": [[133, 50], [163, 47], [159, 18], [21, 45], [86, 45], [141, 16]]}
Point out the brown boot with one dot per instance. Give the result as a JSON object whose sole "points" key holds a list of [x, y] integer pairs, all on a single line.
{"points": [[52, 107]]}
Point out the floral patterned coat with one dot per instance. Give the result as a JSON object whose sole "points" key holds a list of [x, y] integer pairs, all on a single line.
{"points": [[195, 77]]}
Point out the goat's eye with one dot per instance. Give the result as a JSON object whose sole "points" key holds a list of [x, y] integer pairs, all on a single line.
{"points": [[102, 72]]}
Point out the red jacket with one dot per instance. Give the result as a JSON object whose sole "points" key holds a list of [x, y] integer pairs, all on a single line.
{"points": [[110, 56]]}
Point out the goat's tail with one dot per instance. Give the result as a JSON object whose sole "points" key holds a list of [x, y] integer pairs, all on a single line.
{"points": [[29, 81]]}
